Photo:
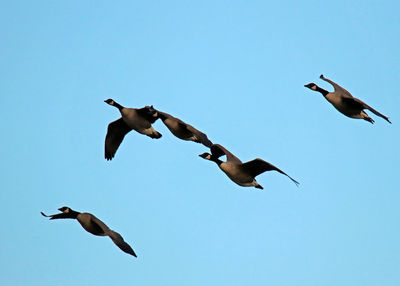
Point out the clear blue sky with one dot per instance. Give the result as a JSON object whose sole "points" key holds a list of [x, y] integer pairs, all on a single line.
{"points": [[235, 70]]}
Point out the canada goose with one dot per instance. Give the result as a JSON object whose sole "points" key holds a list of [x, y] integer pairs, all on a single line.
{"points": [[345, 103], [93, 225], [183, 130], [242, 174], [139, 119]]}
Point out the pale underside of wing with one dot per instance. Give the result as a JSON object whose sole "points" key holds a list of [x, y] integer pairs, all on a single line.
{"points": [[115, 134], [258, 166]]}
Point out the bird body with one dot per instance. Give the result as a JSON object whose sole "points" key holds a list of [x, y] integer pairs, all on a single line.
{"points": [[340, 104], [242, 174], [138, 119], [345, 103], [238, 174], [93, 225], [183, 130], [336, 101]]}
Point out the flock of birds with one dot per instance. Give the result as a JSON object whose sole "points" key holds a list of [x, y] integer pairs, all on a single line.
{"points": [[243, 174]]}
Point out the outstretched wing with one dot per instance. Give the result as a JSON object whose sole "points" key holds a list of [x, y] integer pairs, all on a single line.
{"points": [[217, 150], [200, 136], [337, 87], [119, 241], [184, 127], [359, 104], [45, 215], [115, 134], [58, 216], [258, 166]]}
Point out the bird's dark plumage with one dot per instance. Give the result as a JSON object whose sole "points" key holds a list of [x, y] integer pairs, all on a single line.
{"points": [[93, 225]]}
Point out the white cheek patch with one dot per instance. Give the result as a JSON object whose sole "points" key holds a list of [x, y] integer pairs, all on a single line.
{"points": [[314, 87]]}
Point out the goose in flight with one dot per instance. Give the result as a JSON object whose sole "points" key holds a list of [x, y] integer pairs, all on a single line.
{"points": [[183, 130], [345, 103], [93, 225], [139, 119], [242, 174]]}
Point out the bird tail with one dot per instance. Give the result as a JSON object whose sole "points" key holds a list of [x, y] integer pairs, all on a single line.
{"points": [[258, 186], [155, 135]]}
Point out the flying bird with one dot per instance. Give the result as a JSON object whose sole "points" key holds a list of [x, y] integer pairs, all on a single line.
{"points": [[242, 174], [93, 225], [345, 103], [183, 130], [139, 119]]}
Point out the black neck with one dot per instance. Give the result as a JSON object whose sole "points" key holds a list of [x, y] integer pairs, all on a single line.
{"points": [[117, 105], [216, 160], [322, 91]]}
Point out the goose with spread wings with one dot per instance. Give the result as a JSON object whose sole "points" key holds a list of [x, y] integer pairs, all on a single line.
{"points": [[242, 174], [138, 119], [345, 103], [93, 225]]}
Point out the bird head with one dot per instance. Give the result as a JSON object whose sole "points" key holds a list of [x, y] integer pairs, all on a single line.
{"points": [[206, 156], [109, 101], [64, 209], [312, 86]]}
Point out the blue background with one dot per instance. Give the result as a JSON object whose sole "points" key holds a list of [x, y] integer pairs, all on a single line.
{"points": [[235, 70]]}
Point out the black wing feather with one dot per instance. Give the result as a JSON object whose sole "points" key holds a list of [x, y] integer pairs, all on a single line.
{"points": [[359, 104], [258, 166], [115, 134], [119, 241]]}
